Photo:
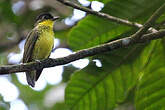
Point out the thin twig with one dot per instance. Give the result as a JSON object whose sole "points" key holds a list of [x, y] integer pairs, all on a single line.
{"points": [[150, 22], [108, 47], [104, 15]]}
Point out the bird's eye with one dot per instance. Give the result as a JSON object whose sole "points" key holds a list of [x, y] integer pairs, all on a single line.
{"points": [[46, 17]]}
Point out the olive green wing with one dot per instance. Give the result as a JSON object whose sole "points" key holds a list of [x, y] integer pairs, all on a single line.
{"points": [[29, 45], [27, 56]]}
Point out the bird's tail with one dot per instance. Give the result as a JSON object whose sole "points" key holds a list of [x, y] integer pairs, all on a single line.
{"points": [[31, 76]]}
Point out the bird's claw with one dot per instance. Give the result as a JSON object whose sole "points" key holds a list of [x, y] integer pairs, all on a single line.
{"points": [[38, 61]]}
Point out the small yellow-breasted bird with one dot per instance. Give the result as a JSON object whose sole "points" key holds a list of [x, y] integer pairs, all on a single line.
{"points": [[39, 44]]}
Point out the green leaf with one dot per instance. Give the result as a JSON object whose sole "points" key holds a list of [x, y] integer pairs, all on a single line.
{"points": [[93, 30], [104, 88], [59, 106], [150, 94], [68, 71], [61, 34]]}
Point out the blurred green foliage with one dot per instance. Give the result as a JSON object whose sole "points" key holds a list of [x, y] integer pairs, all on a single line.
{"points": [[3, 105], [130, 78]]}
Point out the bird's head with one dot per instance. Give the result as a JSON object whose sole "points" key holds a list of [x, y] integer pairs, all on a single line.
{"points": [[46, 18]]}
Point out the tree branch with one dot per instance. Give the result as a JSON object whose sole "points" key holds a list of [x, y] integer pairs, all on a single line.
{"points": [[104, 15], [108, 47], [150, 22]]}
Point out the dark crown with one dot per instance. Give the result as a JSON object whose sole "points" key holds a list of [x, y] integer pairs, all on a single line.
{"points": [[44, 16]]}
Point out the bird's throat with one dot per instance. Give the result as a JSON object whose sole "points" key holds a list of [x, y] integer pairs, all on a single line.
{"points": [[46, 23]]}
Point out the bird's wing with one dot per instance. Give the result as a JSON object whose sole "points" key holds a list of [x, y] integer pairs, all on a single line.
{"points": [[29, 45], [27, 56]]}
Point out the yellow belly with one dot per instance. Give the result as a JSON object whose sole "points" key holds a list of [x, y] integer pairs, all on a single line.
{"points": [[43, 46]]}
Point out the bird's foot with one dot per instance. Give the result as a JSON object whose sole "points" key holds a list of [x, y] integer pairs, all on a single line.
{"points": [[38, 61]]}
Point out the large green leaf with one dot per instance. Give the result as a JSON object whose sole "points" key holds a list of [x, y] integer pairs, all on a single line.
{"points": [[94, 30], [104, 88], [150, 94], [59, 106]]}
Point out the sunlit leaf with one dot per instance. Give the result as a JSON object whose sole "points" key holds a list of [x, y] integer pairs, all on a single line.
{"points": [[104, 88], [151, 89], [94, 30]]}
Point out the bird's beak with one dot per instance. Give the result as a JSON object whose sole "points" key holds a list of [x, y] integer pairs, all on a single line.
{"points": [[55, 18]]}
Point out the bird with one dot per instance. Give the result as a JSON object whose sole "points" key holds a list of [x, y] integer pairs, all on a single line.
{"points": [[39, 44]]}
